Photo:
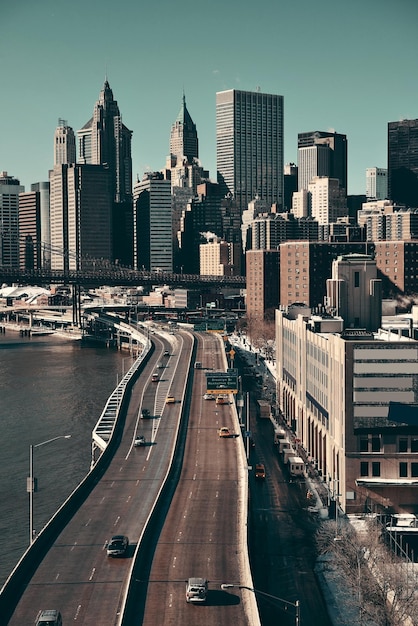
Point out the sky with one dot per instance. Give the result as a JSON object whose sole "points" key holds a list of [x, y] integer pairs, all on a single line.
{"points": [[349, 66]]}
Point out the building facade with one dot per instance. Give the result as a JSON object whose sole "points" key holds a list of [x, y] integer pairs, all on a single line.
{"points": [[104, 140], [349, 396], [322, 153], [219, 258], [153, 241], [10, 188], [403, 162], [376, 183], [249, 146], [80, 217], [64, 144], [30, 243], [263, 282]]}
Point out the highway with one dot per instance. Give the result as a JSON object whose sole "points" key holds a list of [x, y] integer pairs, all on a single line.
{"points": [[76, 576], [204, 534]]}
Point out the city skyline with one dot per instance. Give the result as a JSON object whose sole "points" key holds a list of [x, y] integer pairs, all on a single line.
{"points": [[334, 64]]}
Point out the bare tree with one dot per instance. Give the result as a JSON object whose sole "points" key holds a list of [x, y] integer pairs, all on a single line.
{"points": [[382, 587]]}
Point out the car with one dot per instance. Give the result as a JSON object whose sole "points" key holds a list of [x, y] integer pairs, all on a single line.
{"points": [[166, 353], [118, 545], [196, 589], [160, 365], [139, 441], [224, 432], [170, 400], [221, 400], [155, 377], [208, 396], [145, 414], [49, 617]]}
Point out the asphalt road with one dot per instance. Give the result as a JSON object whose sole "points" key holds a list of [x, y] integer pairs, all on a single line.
{"points": [[76, 576], [201, 534]]}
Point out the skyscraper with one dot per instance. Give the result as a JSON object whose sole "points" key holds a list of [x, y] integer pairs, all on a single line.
{"points": [[80, 209], [249, 143], [403, 162], [153, 242], [10, 188], [105, 140], [64, 144], [183, 136], [322, 153]]}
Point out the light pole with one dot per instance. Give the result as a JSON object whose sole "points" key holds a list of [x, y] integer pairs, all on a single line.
{"points": [[295, 605], [31, 483]]}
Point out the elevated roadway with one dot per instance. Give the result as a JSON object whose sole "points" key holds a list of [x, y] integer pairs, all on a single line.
{"points": [[76, 576], [204, 533]]}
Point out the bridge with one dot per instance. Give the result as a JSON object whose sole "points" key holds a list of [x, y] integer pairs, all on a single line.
{"points": [[115, 275]]}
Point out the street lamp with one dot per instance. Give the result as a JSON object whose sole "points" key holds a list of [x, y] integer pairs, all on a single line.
{"points": [[31, 483], [295, 605]]}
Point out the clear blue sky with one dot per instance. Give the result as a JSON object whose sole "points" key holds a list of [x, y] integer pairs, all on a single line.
{"points": [[345, 65]]}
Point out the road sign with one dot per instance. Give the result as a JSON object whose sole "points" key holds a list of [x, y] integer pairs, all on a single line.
{"points": [[222, 382]]}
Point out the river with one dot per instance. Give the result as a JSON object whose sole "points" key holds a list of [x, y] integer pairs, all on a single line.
{"points": [[49, 387]]}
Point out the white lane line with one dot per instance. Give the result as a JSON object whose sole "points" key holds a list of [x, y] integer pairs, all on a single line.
{"points": [[77, 612], [117, 520], [93, 571]]}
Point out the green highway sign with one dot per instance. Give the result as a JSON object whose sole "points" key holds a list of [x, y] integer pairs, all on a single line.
{"points": [[222, 382]]}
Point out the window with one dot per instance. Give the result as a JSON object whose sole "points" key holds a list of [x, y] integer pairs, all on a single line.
{"points": [[376, 469], [375, 444], [403, 470], [414, 470], [364, 444], [403, 445], [414, 444], [356, 279], [364, 468]]}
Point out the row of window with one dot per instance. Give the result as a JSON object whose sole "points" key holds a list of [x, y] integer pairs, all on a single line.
{"points": [[373, 443], [373, 469]]}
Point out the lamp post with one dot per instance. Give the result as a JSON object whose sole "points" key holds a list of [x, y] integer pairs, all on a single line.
{"points": [[295, 605], [31, 483]]}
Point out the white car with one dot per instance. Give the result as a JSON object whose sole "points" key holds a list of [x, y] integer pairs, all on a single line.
{"points": [[139, 441], [208, 396]]}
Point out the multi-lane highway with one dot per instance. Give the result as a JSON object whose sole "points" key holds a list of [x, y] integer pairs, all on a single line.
{"points": [[204, 533], [76, 576]]}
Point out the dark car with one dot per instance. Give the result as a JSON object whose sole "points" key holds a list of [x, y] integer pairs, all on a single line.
{"points": [[145, 414], [50, 617], [118, 545]]}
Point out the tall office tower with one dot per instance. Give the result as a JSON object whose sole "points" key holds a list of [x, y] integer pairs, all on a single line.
{"points": [[184, 143], [153, 242], [30, 246], [249, 145], [322, 153], [376, 183], [403, 162], [10, 188], [105, 140], [301, 203], [64, 144], [263, 282], [42, 189], [354, 292], [328, 201], [81, 216]]}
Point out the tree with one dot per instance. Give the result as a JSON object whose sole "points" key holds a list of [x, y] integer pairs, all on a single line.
{"points": [[381, 585]]}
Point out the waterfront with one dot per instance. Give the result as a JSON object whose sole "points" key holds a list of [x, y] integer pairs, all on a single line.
{"points": [[49, 386]]}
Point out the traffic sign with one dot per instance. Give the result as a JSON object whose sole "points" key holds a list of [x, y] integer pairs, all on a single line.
{"points": [[222, 382]]}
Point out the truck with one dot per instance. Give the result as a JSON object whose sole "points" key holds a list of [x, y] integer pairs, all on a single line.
{"points": [[196, 589], [279, 435], [296, 466], [263, 409], [260, 471]]}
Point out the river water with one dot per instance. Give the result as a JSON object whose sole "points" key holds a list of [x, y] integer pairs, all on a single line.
{"points": [[49, 386]]}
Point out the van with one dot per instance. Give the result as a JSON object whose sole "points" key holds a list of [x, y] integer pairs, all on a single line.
{"points": [[49, 617], [196, 590]]}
